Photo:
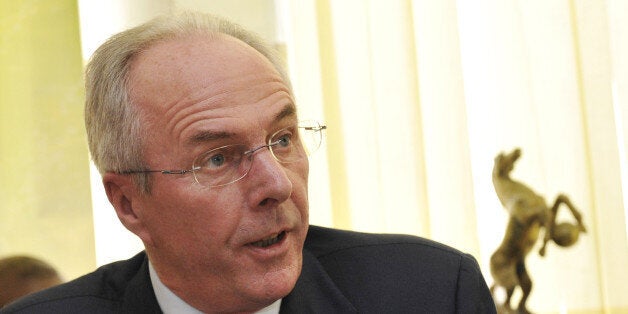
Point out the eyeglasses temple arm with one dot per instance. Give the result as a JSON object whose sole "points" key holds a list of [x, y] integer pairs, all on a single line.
{"points": [[161, 171]]}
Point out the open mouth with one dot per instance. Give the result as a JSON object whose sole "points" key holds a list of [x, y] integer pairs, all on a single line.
{"points": [[270, 240]]}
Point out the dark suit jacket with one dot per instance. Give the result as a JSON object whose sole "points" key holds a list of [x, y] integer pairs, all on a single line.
{"points": [[343, 272]]}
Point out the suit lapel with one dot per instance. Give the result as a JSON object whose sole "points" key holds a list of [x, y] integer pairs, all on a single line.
{"points": [[315, 292], [139, 296]]}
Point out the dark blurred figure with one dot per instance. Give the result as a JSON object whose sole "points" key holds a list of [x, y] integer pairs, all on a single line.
{"points": [[21, 275]]}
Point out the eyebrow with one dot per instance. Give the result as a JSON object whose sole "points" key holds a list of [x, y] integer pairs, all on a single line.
{"points": [[208, 136], [288, 111]]}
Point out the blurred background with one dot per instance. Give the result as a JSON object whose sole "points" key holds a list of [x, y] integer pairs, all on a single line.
{"points": [[419, 97]]}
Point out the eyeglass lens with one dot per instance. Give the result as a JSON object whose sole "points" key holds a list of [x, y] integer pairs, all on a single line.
{"points": [[228, 164]]}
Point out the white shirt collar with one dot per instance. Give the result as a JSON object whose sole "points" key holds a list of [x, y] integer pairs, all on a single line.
{"points": [[170, 303]]}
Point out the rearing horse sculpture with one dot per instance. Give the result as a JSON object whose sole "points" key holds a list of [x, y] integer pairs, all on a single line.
{"points": [[528, 214]]}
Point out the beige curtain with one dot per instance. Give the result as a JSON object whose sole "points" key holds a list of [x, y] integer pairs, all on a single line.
{"points": [[45, 208], [420, 96]]}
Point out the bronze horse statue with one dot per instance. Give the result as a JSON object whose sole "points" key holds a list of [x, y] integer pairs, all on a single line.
{"points": [[528, 215]]}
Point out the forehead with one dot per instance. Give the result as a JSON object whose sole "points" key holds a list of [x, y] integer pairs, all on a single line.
{"points": [[199, 82], [181, 65]]}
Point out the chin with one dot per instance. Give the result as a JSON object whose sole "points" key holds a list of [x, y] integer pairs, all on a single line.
{"points": [[275, 285], [281, 284]]}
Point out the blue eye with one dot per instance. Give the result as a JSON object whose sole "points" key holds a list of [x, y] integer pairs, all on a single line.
{"points": [[216, 161], [284, 141]]}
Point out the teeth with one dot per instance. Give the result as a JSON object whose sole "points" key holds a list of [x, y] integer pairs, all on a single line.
{"points": [[269, 241]]}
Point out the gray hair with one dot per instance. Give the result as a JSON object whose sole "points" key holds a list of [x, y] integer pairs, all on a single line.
{"points": [[113, 124]]}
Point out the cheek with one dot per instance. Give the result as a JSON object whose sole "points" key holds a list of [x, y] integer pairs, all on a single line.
{"points": [[193, 214], [305, 168], [298, 173], [299, 178], [212, 213]]}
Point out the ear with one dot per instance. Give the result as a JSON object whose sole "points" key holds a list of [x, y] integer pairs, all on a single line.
{"points": [[126, 199]]}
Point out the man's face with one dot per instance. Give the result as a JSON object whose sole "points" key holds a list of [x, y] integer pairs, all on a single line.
{"points": [[195, 94]]}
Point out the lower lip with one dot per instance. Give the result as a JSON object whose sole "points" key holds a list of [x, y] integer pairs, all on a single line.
{"points": [[271, 251]]}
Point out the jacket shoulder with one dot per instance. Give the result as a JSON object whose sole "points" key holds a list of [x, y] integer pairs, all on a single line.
{"points": [[102, 291], [401, 272], [323, 241]]}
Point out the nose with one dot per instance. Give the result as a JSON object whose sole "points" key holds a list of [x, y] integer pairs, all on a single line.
{"points": [[268, 181]]}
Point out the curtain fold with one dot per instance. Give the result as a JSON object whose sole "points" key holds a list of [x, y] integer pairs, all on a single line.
{"points": [[420, 96], [44, 180]]}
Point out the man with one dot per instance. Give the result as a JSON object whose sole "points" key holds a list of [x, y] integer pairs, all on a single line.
{"points": [[21, 275], [192, 122]]}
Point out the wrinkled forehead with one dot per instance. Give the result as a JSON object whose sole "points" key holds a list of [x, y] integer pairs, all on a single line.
{"points": [[200, 84], [172, 68]]}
